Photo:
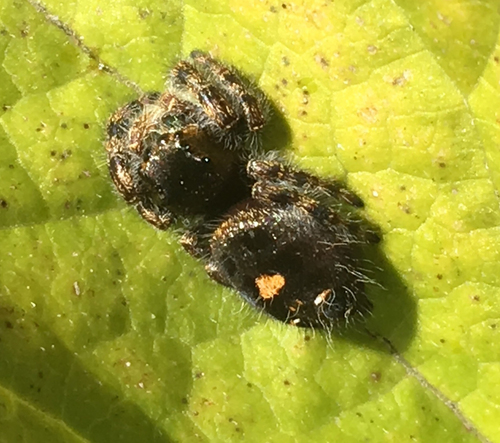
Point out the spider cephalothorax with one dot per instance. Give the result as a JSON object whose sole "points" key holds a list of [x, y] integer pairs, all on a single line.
{"points": [[183, 152]]}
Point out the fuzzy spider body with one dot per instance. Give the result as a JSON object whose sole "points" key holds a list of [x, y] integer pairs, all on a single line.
{"points": [[286, 240]]}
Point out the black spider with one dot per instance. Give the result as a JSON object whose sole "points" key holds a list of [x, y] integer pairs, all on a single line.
{"points": [[290, 243]]}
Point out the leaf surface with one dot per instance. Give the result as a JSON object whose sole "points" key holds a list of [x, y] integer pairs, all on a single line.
{"points": [[110, 332]]}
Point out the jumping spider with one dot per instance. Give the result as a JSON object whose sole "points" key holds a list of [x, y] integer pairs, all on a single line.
{"points": [[286, 240]]}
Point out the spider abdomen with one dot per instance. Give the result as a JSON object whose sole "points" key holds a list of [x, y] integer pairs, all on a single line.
{"points": [[288, 264]]}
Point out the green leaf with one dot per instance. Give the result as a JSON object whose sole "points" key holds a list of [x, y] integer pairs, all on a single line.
{"points": [[110, 332]]}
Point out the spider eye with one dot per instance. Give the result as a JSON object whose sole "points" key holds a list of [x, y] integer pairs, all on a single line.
{"points": [[169, 120], [174, 122]]}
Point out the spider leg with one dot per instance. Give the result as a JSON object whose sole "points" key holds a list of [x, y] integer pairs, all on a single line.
{"points": [[281, 184], [159, 218], [248, 99], [196, 242], [214, 273], [213, 103], [301, 181], [280, 192]]}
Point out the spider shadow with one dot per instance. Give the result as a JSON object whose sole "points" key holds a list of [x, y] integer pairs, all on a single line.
{"points": [[277, 134], [393, 316]]}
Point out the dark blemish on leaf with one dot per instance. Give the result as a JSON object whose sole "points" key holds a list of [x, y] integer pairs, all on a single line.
{"points": [[442, 165], [496, 59], [286, 383], [273, 9], [207, 402], [439, 276], [249, 385], [184, 401], [66, 154], [285, 61], [305, 98], [283, 5], [53, 153], [401, 80], [320, 60], [284, 82], [144, 13], [476, 298], [376, 376], [233, 421], [199, 375], [64, 125], [3, 203], [11, 166], [9, 325], [442, 340], [405, 208], [493, 326], [86, 126], [42, 127]]}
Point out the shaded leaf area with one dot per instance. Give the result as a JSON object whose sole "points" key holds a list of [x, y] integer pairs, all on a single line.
{"points": [[109, 332]]}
